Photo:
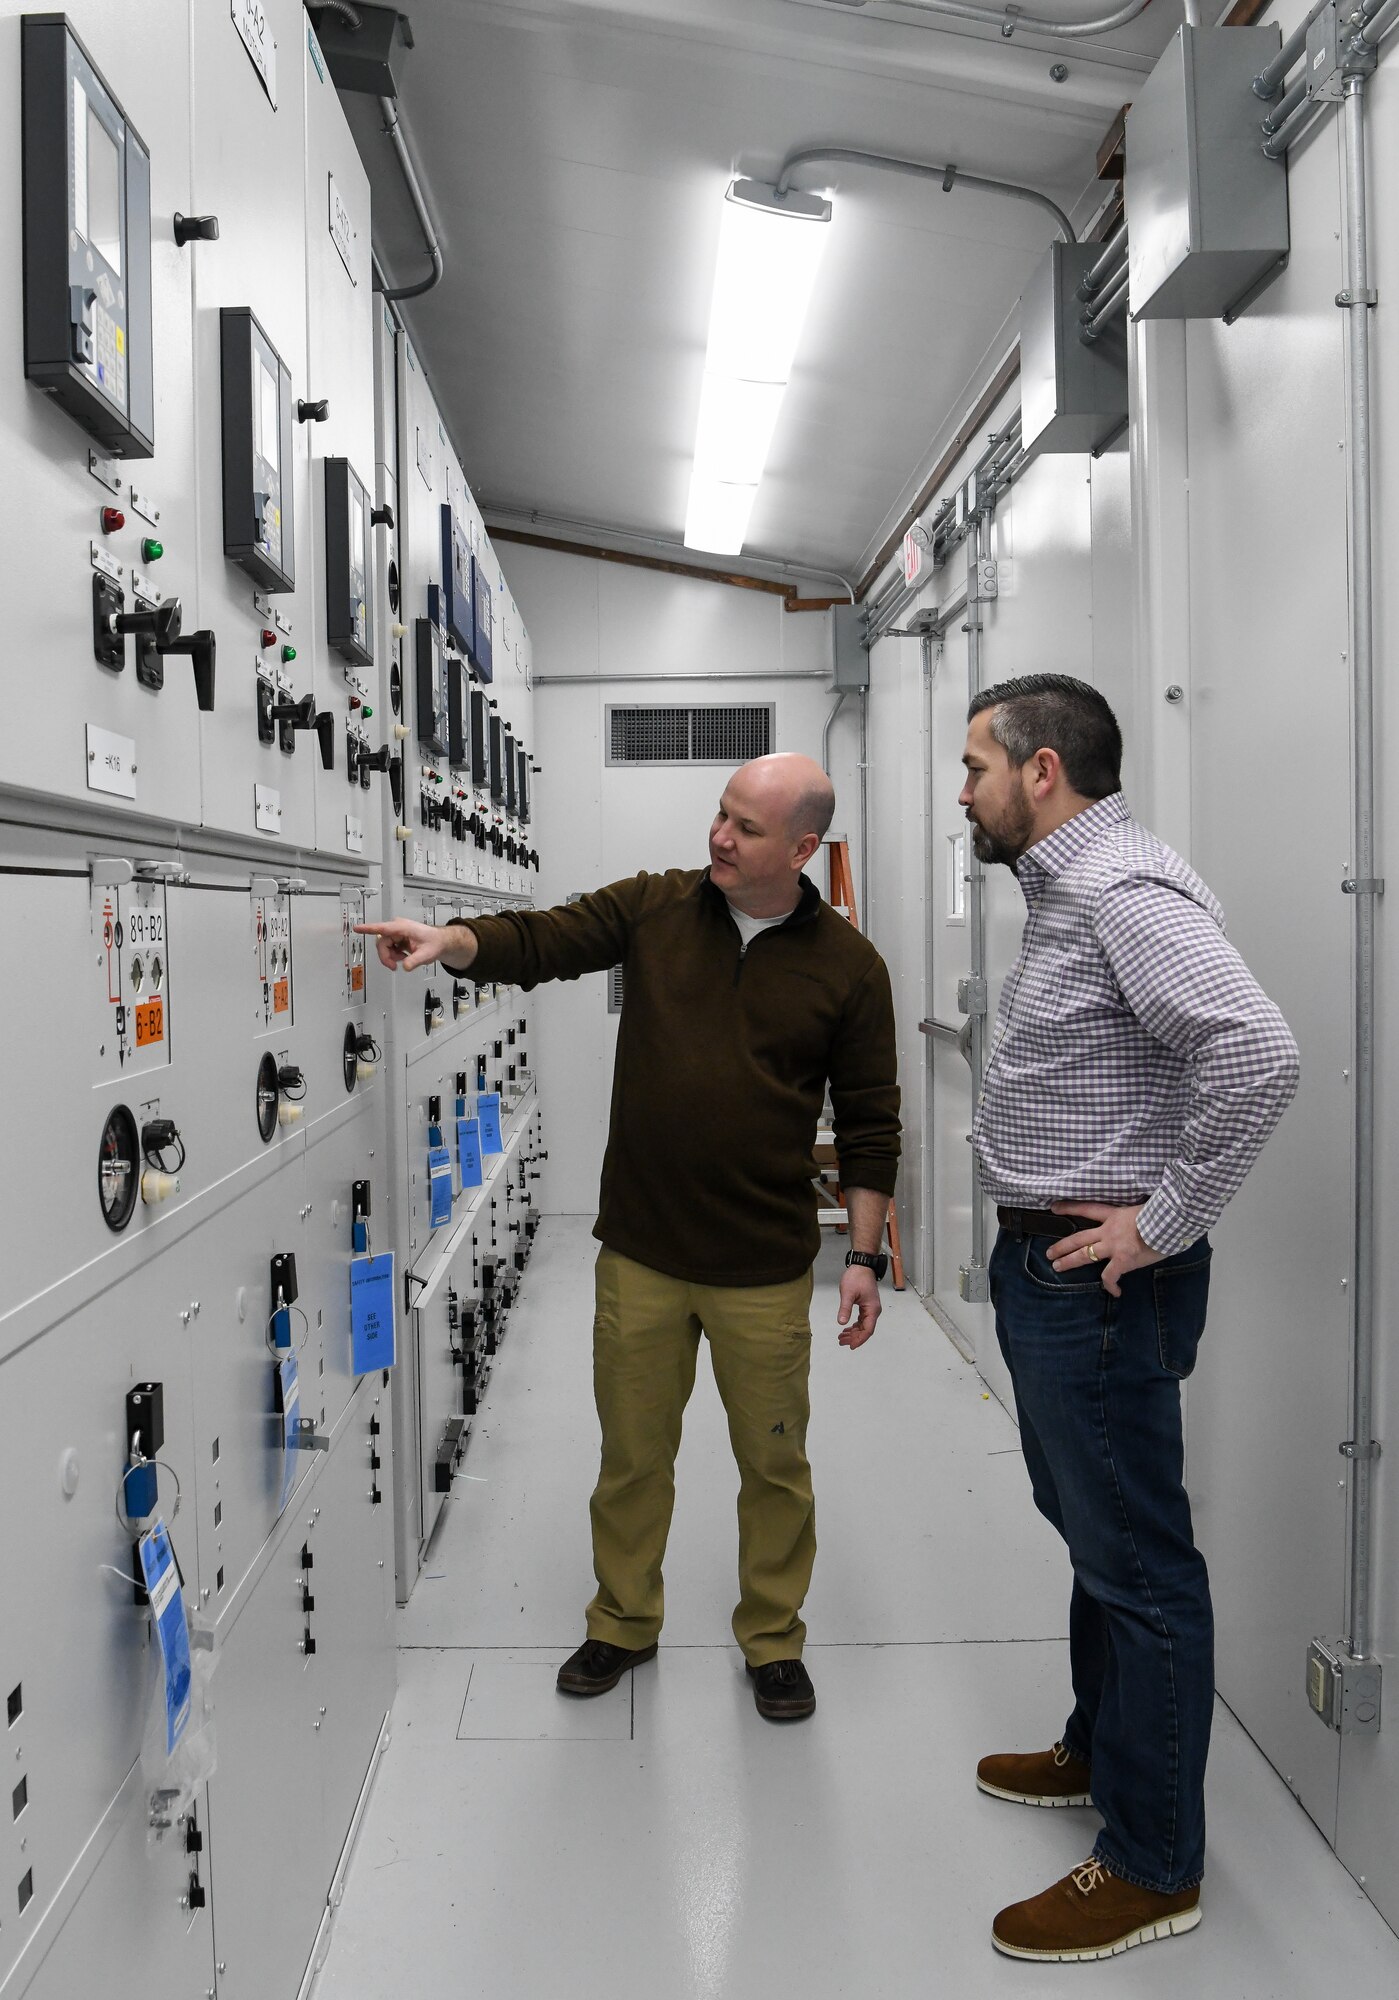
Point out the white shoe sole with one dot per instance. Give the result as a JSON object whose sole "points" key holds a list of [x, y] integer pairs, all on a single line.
{"points": [[1169, 1927], [1030, 1798]]}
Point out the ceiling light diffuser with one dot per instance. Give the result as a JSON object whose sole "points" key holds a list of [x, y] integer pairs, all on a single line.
{"points": [[770, 247]]}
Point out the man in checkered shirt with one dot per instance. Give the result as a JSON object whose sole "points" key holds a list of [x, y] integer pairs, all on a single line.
{"points": [[1136, 1072]]}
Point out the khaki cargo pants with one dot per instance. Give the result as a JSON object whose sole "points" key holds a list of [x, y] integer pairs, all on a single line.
{"points": [[646, 1338]]}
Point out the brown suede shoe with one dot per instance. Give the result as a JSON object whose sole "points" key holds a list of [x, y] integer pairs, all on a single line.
{"points": [[1041, 1778], [1091, 1914]]}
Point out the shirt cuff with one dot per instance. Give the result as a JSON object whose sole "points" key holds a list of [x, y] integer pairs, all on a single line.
{"points": [[1164, 1226], [880, 1176]]}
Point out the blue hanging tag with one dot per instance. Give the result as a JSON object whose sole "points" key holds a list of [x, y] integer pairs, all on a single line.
{"points": [[359, 1235], [372, 1341], [162, 1580], [469, 1152], [488, 1111], [281, 1327], [289, 1407], [439, 1169]]}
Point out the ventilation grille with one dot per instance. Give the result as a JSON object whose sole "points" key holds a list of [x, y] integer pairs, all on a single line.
{"points": [[673, 735], [614, 990]]}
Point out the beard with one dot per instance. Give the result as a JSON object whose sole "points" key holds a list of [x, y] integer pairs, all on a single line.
{"points": [[1008, 839]]}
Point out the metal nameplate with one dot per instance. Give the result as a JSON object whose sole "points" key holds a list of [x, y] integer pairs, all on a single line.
{"points": [[142, 504], [342, 231], [108, 565], [354, 835], [255, 33], [111, 763], [267, 809], [106, 471]]}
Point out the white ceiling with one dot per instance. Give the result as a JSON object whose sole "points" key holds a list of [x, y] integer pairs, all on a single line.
{"points": [[576, 154]]}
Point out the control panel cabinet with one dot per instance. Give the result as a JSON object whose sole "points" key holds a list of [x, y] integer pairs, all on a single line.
{"points": [[483, 649], [349, 596], [87, 243]]}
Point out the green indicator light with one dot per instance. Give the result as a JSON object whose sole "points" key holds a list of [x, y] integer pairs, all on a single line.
{"points": [[288, 653], [366, 712], [151, 550]]}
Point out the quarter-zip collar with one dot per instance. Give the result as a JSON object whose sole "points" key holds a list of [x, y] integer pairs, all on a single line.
{"points": [[806, 912]]}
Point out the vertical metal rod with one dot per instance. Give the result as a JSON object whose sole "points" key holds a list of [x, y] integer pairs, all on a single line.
{"points": [[929, 974], [976, 883], [1362, 684], [864, 811]]}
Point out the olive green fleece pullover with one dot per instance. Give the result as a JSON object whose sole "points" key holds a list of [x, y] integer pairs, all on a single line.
{"points": [[723, 1055]]}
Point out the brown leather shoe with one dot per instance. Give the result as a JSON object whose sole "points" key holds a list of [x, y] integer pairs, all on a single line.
{"points": [[1041, 1778], [1092, 1914], [598, 1666]]}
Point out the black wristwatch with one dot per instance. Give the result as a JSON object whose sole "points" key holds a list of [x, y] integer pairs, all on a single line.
{"points": [[879, 1264]]}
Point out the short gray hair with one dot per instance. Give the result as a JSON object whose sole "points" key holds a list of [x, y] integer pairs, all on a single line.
{"points": [[814, 811]]}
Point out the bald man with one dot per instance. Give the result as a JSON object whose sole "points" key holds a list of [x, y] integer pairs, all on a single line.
{"points": [[745, 995]]}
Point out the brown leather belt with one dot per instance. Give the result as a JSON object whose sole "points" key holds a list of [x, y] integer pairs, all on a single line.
{"points": [[1042, 1222]]}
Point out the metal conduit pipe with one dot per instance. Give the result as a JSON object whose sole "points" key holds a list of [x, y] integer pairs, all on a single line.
{"points": [[949, 176], [975, 1285], [1287, 135], [1285, 106], [393, 130], [1113, 249], [351, 16], [1115, 303], [865, 807], [836, 707], [1365, 888], [1013, 19], [1380, 22], [1268, 81]]}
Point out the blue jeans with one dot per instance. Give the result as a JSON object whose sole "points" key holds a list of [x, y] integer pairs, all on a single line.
{"points": [[1097, 1390]]}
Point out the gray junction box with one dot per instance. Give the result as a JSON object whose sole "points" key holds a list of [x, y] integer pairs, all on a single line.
{"points": [[1207, 209], [1073, 392]]}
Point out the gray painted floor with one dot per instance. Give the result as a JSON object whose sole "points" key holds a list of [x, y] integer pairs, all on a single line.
{"points": [[664, 1843]]}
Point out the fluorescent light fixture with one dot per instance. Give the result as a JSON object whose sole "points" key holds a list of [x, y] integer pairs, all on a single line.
{"points": [[770, 247]]}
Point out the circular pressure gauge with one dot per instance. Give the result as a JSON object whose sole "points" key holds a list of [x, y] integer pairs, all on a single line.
{"points": [[118, 1168]]}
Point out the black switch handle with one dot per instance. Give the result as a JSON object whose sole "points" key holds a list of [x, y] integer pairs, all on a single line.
{"points": [[312, 413], [201, 649], [382, 517], [300, 714], [325, 733], [196, 229], [161, 623]]}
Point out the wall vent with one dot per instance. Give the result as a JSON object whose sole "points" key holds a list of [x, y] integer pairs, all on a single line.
{"points": [[614, 990], [717, 734]]}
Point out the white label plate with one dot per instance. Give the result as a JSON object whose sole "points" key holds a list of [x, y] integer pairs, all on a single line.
{"points": [[354, 835], [267, 809], [111, 763], [108, 565], [255, 33], [342, 230]]}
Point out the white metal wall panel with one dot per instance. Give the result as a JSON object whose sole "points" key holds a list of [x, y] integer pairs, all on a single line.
{"points": [[1270, 834]]}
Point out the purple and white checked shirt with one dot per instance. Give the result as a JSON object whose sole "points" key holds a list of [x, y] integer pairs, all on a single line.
{"points": [[1135, 1058]]}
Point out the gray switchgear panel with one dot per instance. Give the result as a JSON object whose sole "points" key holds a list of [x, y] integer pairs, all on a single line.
{"points": [[87, 242]]}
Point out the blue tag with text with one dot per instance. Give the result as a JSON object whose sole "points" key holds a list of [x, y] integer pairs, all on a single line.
{"points": [[162, 1580], [439, 1169], [372, 1340], [289, 1405], [488, 1111], [469, 1152]]}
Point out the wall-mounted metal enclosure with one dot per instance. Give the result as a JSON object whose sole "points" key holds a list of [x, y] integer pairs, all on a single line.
{"points": [[1073, 393], [258, 531], [458, 567], [1207, 210], [349, 610], [497, 759], [850, 659], [522, 787], [432, 690], [483, 648], [480, 762], [87, 243], [369, 56]]}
